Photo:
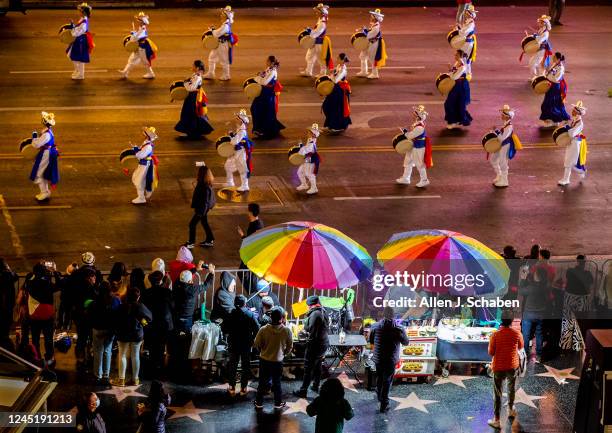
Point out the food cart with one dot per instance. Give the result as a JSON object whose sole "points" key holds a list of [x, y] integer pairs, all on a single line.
{"points": [[418, 357]]}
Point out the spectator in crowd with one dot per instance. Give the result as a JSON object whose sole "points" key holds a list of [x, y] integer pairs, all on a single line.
{"points": [[274, 342], [66, 300], [223, 301], [241, 328], [202, 202], [158, 264], [158, 299], [185, 295], [387, 338], [577, 290], [88, 418], [40, 286], [152, 414], [247, 278], [183, 262], [545, 264], [330, 408], [316, 328], [514, 263], [130, 320], [137, 280], [263, 315], [8, 283], [118, 279], [503, 347], [535, 290], [101, 312], [261, 289]]}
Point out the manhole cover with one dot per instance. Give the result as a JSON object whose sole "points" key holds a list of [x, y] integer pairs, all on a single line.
{"points": [[233, 196]]}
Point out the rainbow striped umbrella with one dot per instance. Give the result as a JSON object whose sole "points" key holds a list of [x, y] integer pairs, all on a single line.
{"points": [[443, 261], [305, 254]]}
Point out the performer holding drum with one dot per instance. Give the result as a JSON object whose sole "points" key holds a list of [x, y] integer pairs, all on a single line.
{"points": [[145, 177], [45, 170], [375, 54], [264, 107], [336, 105], [224, 51], [508, 143], [194, 118], [540, 59], [420, 155], [321, 51], [553, 107], [241, 161], [146, 51], [457, 100], [467, 33], [82, 46], [308, 170], [576, 151]]}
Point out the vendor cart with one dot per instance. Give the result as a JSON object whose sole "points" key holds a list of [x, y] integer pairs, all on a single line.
{"points": [[417, 360], [463, 345]]}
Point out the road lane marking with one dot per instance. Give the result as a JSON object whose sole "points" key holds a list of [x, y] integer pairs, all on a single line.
{"points": [[89, 71], [388, 197], [15, 240], [18, 208], [175, 106]]}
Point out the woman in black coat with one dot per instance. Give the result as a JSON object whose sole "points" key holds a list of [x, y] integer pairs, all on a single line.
{"points": [[152, 414], [203, 200]]}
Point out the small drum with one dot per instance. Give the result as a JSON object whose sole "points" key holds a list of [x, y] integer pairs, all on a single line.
{"points": [[359, 41], [454, 39], [540, 84], [294, 157], [252, 89], [444, 83], [324, 85], [26, 148], [530, 45], [130, 44], [209, 41], [224, 146], [561, 137], [65, 34], [490, 142], [127, 155], [305, 40], [178, 91], [401, 144]]}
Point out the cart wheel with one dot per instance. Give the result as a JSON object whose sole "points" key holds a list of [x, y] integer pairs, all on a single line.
{"points": [[445, 373]]}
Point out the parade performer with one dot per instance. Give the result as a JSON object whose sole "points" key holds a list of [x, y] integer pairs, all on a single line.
{"points": [[45, 170], [145, 176], [457, 100], [147, 50], [420, 155], [336, 105], [241, 161], [308, 170], [541, 59], [264, 107], [375, 56], [509, 145], [467, 30], [321, 52], [576, 151], [82, 46], [194, 119], [224, 52], [553, 107]]}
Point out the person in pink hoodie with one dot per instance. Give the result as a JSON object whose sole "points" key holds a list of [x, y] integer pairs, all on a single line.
{"points": [[183, 262]]}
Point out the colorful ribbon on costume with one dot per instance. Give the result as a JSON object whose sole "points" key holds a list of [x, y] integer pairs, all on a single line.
{"points": [[582, 155], [472, 57], [428, 157], [563, 89], [346, 89], [278, 88], [380, 59], [201, 101], [90, 42], [326, 53]]}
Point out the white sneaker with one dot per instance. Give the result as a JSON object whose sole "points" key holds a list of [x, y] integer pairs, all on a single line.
{"points": [[402, 181], [228, 184], [547, 123], [361, 74], [302, 187], [494, 423], [224, 78], [139, 200], [208, 76], [373, 76], [305, 73], [501, 184], [149, 76], [563, 182], [42, 196], [312, 191], [122, 73], [78, 77], [148, 194], [422, 184], [242, 188], [452, 125]]}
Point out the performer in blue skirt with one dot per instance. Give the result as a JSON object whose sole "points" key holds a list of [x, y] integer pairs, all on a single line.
{"points": [[194, 119], [457, 100], [553, 107], [264, 108], [80, 49], [336, 105], [45, 170]]}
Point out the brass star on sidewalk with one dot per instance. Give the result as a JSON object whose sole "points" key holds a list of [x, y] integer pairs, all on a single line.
{"points": [[412, 401], [521, 397], [347, 382], [121, 393], [188, 411], [455, 380], [296, 406], [560, 376], [225, 386]]}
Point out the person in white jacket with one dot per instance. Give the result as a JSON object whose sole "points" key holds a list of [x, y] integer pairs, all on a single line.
{"points": [[368, 57], [575, 152], [417, 156], [146, 50], [144, 177], [467, 31], [500, 159], [79, 50], [240, 161], [537, 62], [45, 171], [308, 170], [223, 53], [315, 54]]}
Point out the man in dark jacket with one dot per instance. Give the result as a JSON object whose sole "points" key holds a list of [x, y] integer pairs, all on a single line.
{"points": [[8, 280], [241, 328], [158, 299], [185, 294], [316, 326], [387, 338], [223, 301], [88, 419]]}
